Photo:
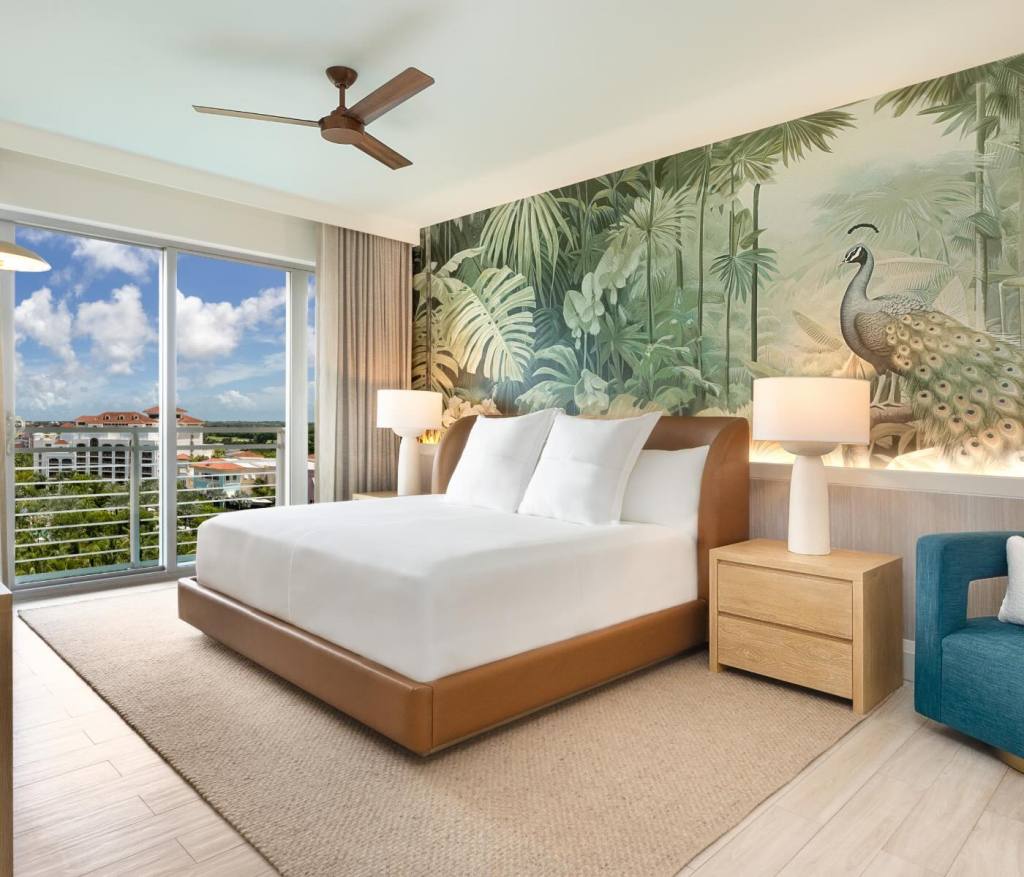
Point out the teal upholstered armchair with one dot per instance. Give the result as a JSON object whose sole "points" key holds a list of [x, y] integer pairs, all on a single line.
{"points": [[969, 673]]}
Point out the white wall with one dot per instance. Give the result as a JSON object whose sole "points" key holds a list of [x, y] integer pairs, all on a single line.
{"points": [[32, 186]]}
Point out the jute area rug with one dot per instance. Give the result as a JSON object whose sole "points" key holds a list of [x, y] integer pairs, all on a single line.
{"points": [[634, 778]]}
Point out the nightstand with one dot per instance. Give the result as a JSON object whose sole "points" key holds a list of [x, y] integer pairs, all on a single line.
{"points": [[832, 622], [375, 494]]}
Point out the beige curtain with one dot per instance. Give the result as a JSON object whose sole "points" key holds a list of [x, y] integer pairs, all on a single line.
{"points": [[363, 344]]}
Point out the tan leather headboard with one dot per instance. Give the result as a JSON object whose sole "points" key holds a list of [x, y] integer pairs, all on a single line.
{"points": [[724, 492]]}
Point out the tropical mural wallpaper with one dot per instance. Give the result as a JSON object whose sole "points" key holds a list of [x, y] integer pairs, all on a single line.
{"points": [[883, 240]]}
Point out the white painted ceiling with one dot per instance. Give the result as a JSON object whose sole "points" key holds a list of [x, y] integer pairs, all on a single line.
{"points": [[529, 94]]}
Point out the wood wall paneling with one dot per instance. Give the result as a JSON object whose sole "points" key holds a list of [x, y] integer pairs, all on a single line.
{"points": [[891, 521]]}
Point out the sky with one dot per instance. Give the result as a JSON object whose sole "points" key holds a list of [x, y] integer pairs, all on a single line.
{"points": [[86, 332]]}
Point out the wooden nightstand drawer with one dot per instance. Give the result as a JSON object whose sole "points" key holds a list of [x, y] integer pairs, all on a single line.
{"points": [[831, 622], [802, 658], [807, 602]]}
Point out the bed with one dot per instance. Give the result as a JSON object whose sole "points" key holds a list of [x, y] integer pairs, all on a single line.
{"points": [[432, 621]]}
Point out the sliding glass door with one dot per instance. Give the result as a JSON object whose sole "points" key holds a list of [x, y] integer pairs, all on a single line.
{"points": [[123, 350], [230, 342], [86, 496]]}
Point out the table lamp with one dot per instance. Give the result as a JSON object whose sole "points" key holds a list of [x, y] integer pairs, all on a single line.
{"points": [[408, 413], [810, 417]]}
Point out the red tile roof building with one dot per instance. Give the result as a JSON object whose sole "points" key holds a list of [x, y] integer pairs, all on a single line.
{"points": [[149, 417]]}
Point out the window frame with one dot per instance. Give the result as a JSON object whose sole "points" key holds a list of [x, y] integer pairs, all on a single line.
{"points": [[297, 276]]}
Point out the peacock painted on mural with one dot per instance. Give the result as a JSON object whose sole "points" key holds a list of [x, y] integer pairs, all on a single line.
{"points": [[966, 386]]}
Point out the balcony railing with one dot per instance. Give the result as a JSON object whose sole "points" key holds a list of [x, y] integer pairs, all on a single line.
{"points": [[87, 499]]}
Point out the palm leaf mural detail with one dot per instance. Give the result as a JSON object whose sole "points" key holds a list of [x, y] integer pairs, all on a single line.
{"points": [[817, 333], [657, 219], [528, 236], [672, 284], [794, 139], [442, 282], [554, 381], [489, 325]]}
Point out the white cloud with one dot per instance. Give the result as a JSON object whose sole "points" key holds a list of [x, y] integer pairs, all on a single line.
{"points": [[118, 328], [47, 390], [34, 235], [210, 329], [102, 256], [237, 400], [46, 323]]}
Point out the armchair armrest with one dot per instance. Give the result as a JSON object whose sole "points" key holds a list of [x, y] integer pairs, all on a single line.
{"points": [[946, 565]]}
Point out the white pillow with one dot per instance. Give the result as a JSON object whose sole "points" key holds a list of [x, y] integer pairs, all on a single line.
{"points": [[665, 487], [498, 460], [582, 473], [1012, 609]]}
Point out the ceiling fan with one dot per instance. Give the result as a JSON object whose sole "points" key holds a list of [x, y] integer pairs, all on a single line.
{"points": [[348, 124]]}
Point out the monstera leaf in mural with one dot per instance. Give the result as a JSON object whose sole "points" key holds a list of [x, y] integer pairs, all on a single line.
{"points": [[489, 325], [433, 363]]}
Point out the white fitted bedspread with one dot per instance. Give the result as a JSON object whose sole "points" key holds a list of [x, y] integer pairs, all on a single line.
{"points": [[429, 587]]}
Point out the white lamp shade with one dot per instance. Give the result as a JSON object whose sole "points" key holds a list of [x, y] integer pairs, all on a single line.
{"points": [[408, 409], [821, 410], [15, 258]]}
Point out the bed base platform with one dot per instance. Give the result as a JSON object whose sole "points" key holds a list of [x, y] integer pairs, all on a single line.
{"points": [[427, 716]]}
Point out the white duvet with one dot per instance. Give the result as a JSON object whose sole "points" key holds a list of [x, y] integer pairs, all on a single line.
{"points": [[429, 587]]}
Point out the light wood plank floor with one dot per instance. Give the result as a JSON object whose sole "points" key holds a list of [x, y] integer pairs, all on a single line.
{"points": [[899, 796]]}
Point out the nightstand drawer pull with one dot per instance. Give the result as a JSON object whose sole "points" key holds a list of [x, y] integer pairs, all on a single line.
{"points": [[790, 655], [806, 602]]}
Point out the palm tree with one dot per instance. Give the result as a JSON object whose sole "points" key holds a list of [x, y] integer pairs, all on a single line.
{"points": [[745, 159], [979, 101], [693, 170], [654, 220], [787, 142], [593, 217], [652, 184]]}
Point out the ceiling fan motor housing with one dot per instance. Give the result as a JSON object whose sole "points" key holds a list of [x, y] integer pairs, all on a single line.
{"points": [[340, 128]]}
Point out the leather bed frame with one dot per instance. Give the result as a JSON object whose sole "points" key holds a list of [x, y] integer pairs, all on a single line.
{"points": [[427, 716]]}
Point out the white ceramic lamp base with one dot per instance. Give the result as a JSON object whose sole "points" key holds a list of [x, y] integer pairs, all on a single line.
{"points": [[409, 463], [809, 528]]}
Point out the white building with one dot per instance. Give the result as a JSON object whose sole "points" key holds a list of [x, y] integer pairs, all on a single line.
{"points": [[235, 476], [103, 446]]}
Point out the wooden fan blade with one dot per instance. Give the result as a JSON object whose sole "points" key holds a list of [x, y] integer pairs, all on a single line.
{"points": [[380, 151], [390, 95], [259, 117]]}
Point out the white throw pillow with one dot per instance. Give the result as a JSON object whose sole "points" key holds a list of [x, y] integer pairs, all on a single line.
{"points": [[498, 460], [665, 487], [1012, 609], [582, 473]]}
